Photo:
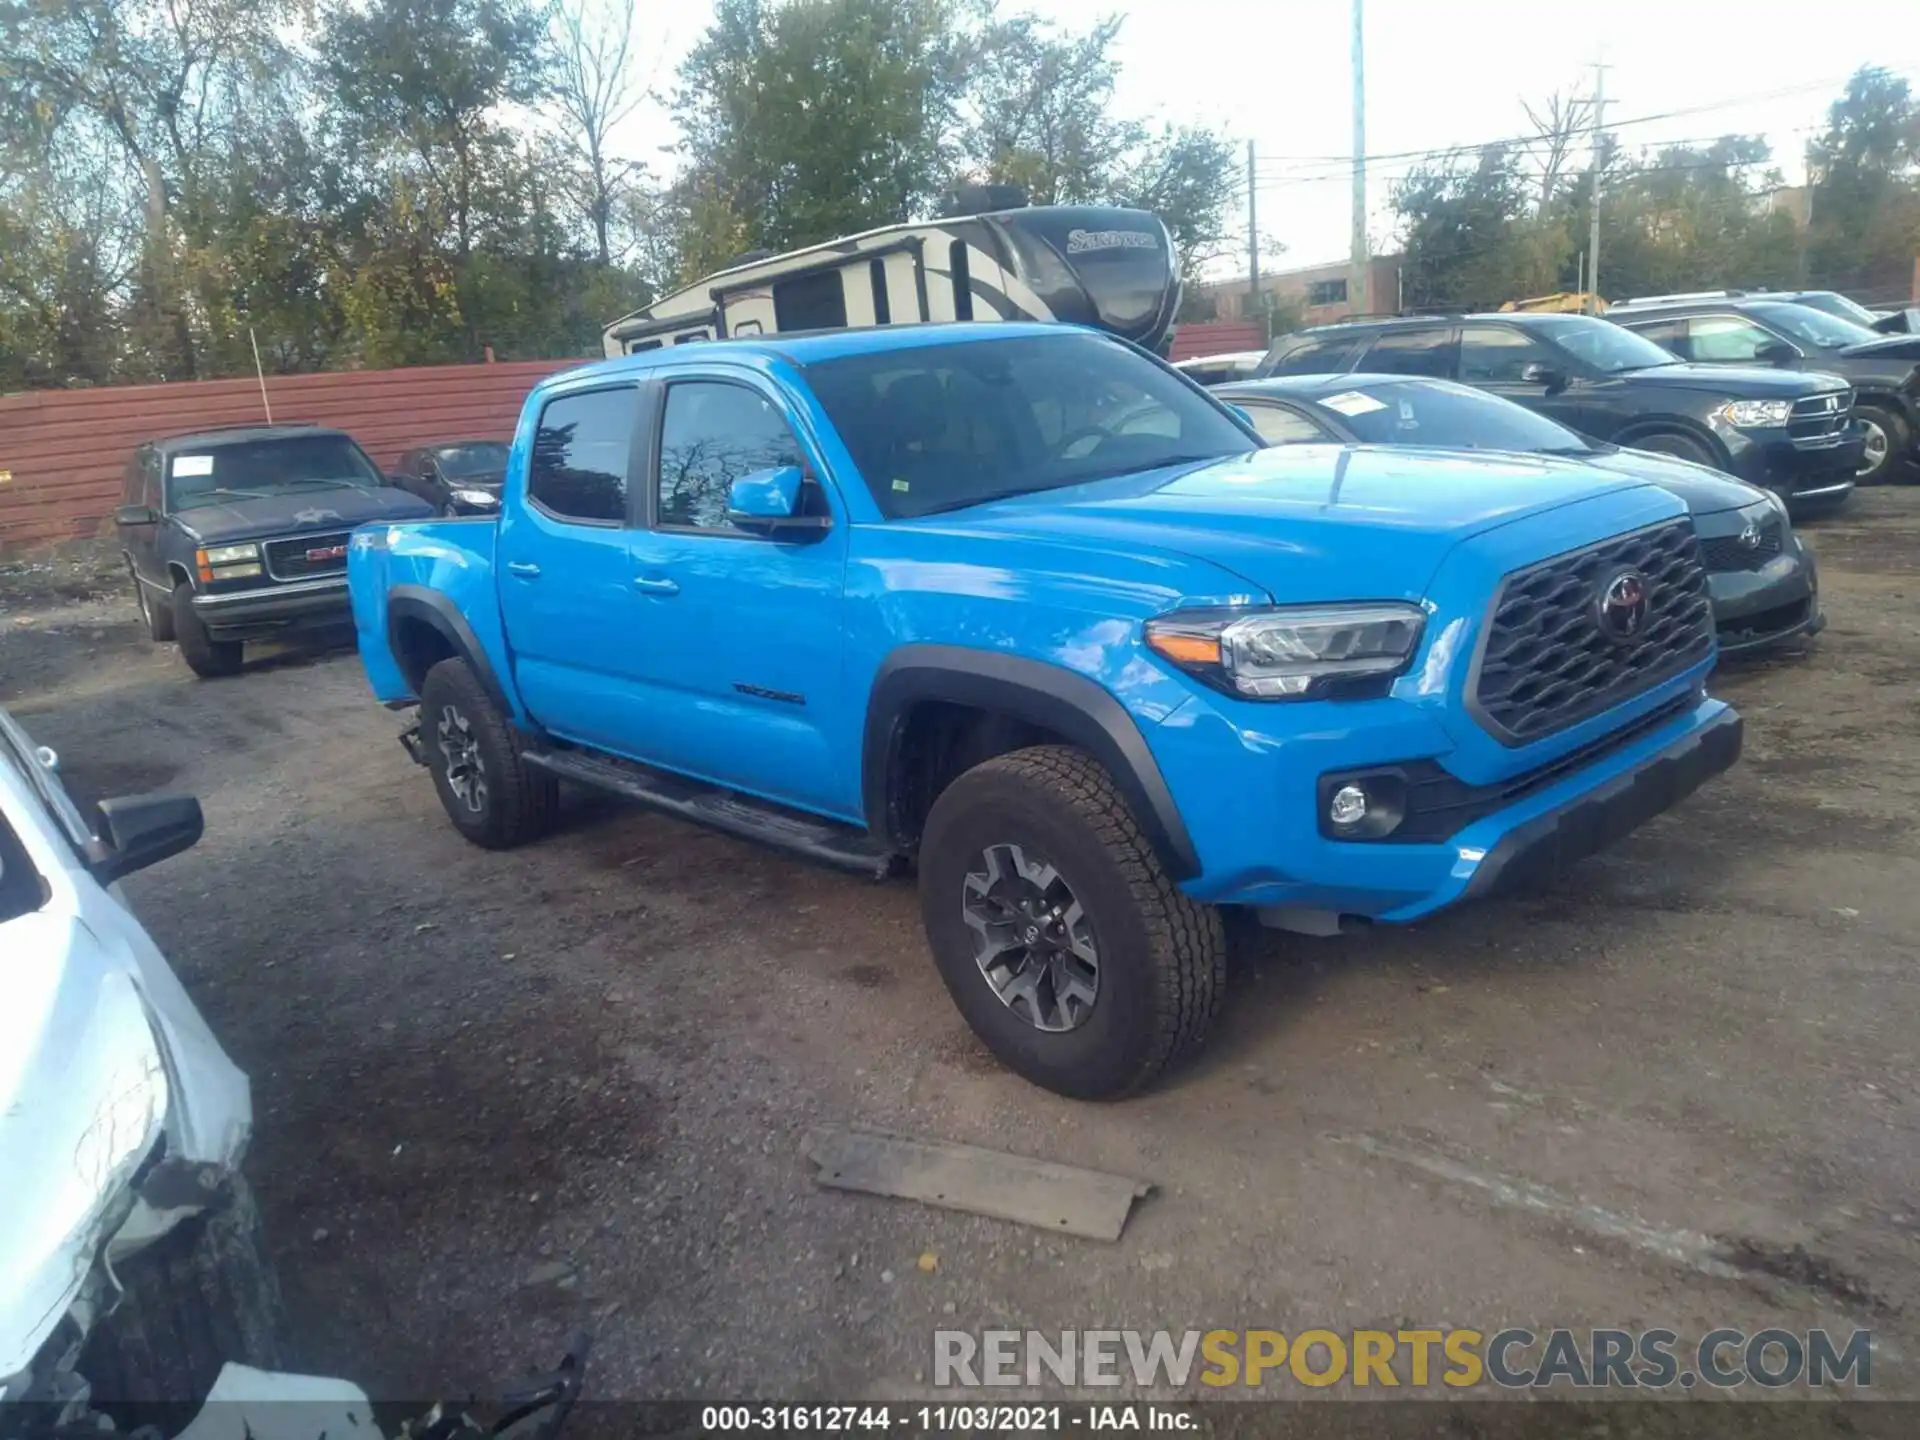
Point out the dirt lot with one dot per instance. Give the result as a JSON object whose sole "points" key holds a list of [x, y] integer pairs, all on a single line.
{"points": [[501, 1096]]}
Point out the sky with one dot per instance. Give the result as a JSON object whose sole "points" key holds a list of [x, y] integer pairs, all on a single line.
{"points": [[1440, 73]]}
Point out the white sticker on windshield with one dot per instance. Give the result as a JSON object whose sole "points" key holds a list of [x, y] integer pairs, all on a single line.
{"points": [[192, 465], [1352, 402]]}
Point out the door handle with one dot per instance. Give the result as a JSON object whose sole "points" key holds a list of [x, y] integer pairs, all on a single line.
{"points": [[524, 568], [656, 585]]}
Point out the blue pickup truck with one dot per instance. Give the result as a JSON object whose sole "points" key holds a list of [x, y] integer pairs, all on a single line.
{"points": [[1022, 610]]}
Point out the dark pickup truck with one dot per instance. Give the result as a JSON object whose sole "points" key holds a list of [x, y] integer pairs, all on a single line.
{"points": [[241, 534]]}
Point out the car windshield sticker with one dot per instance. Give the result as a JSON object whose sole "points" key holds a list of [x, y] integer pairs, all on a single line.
{"points": [[192, 465], [901, 485], [1352, 402], [1407, 422]]}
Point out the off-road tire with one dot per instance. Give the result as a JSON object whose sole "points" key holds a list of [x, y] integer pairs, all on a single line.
{"points": [[519, 800], [207, 657], [1162, 956], [1681, 447], [157, 618], [1894, 427], [198, 1297]]}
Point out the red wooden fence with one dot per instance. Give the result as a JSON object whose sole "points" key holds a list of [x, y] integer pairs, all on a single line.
{"points": [[62, 452], [1217, 337]]}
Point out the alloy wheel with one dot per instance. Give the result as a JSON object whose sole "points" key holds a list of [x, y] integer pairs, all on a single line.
{"points": [[1875, 453], [465, 770], [1032, 939]]}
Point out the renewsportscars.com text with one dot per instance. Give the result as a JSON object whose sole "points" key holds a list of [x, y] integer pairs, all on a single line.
{"points": [[1513, 1358]]}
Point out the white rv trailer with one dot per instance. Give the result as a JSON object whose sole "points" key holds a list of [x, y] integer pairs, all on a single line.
{"points": [[1089, 265]]}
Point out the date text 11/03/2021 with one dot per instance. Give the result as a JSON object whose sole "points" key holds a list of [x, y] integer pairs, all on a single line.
{"points": [[944, 1419]]}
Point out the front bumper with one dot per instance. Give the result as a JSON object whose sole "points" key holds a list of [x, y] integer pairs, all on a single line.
{"points": [[1272, 856], [1756, 609], [1539, 850], [274, 608], [1812, 478]]}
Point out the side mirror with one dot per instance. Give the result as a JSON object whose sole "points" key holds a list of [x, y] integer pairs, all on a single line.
{"points": [[1776, 352], [142, 830], [768, 502], [135, 515], [1537, 373]]}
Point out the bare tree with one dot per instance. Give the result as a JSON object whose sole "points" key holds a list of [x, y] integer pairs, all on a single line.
{"points": [[596, 89], [1559, 125]]}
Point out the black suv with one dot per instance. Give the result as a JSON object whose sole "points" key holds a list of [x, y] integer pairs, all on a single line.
{"points": [[1793, 434], [241, 534], [1766, 330]]}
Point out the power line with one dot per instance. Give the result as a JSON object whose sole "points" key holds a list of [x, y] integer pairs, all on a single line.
{"points": [[1302, 172], [1609, 127]]}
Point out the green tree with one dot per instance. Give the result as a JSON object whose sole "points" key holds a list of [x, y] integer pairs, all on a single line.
{"points": [[1866, 186], [1471, 238], [812, 119]]}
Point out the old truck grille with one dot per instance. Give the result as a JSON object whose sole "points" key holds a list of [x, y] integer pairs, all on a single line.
{"points": [[1732, 552], [1820, 420], [1548, 662], [307, 556]]}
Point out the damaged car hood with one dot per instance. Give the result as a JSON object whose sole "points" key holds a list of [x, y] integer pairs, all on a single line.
{"points": [[102, 1058]]}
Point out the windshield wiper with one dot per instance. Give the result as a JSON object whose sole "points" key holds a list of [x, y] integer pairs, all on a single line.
{"points": [[223, 490]]}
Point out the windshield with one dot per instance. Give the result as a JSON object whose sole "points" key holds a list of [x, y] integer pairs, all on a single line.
{"points": [[471, 461], [1441, 413], [255, 469], [1814, 327], [1602, 344], [940, 427], [1834, 303]]}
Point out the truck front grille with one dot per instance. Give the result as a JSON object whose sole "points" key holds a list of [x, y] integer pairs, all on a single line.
{"points": [[1820, 420], [307, 556], [1548, 659]]}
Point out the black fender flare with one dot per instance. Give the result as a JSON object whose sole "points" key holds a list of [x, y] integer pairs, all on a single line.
{"points": [[1640, 429], [417, 602], [1060, 700]]}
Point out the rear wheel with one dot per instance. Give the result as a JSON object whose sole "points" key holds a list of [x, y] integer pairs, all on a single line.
{"points": [[1681, 447], [205, 656], [492, 796], [1063, 942], [1887, 437], [198, 1297]]}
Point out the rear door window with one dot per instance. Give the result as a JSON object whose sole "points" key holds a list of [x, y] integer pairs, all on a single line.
{"points": [[1670, 334], [1412, 352], [581, 454], [1330, 354]]}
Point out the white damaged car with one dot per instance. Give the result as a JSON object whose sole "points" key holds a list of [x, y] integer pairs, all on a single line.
{"points": [[133, 1289], [130, 1267]]}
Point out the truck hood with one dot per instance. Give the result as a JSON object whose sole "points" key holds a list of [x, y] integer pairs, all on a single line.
{"points": [[1890, 347], [311, 509], [1304, 522], [1745, 382]]}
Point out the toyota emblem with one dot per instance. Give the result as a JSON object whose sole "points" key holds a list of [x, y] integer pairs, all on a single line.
{"points": [[1750, 536], [1623, 606]]}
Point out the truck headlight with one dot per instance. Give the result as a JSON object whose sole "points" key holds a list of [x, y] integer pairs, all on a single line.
{"points": [[1292, 652], [479, 499], [1756, 414], [227, 562]]}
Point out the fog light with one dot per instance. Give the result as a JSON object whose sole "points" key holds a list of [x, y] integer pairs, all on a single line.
{"points": [[1348, 806]]}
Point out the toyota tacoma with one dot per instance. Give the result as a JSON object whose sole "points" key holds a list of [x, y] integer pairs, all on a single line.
{"points": [[1019, 609]]}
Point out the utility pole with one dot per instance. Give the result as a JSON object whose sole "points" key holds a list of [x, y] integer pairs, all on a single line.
{"points": [[1253, 244], [1357, 261], [1593, 227]]}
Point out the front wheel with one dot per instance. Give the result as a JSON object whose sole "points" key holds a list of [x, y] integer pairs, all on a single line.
{"points": [[205, 656], [1062, 940], [1886, 436], [491, 795]]}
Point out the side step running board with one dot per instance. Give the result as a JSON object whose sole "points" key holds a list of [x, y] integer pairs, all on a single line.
{"points": [[840, 846]]}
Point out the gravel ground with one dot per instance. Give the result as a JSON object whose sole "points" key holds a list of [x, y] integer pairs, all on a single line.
{"points": [[501, 1097]]}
